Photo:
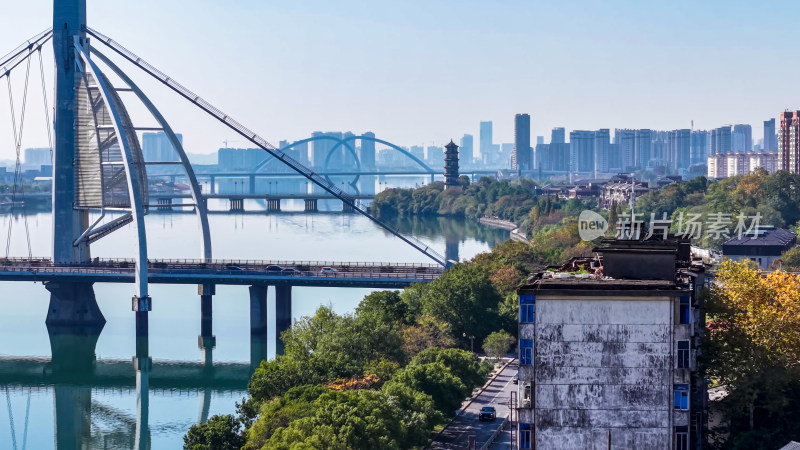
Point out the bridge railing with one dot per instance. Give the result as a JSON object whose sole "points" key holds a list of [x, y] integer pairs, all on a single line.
{"points": [[200, 262]]}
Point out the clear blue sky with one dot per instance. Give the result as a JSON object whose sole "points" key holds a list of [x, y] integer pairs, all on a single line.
{"points": [[423, 71]]}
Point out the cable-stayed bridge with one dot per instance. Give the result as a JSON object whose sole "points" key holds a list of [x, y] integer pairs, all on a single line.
{"points": [[101, 184]]}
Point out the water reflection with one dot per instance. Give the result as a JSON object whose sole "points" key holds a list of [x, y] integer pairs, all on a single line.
{"points": [[74, 373]]}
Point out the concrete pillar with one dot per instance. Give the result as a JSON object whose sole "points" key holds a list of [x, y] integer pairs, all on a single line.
{"points": [[283, 315], [252, 184], [142, 364], [237, 204], [258, 325], [73, 305], [346, 207], [273, 204], [451, 242], [211, 183]]}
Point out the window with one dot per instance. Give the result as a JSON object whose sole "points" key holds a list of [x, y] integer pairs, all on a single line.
{"points": [[681, 397], [681, 438], [685, 312], [524, 435], [683, 354], [527, 308], [526, 351]]}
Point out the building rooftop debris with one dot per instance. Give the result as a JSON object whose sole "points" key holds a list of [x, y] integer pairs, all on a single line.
{"points": [[653, 264]]}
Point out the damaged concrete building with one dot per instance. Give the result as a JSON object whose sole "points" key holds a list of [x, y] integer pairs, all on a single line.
{"points": [[608, 350]]}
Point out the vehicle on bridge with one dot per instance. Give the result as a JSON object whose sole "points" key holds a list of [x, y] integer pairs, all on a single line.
{"points": [[487, 413], [327, 270]]}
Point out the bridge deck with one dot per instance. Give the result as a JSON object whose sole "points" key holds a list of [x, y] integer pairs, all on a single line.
{"points": [[227, 272]]}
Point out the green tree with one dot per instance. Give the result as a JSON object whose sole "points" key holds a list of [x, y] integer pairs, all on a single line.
{"points": [[460, 363], [219, 433], [465, 298], [497, 344], [436, 380]]}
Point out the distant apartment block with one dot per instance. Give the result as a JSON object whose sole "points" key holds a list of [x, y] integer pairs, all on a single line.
{"points": [[643, 144], [789, 142], [602, 151], [608, 359], [581, 145], [770, 138], [558, 136], [522, 156], [158, 148], [740, 163], [367, 151], [699, 147], [466, 151], [240, 159], [485, 141], [720, 140], [742, 138], [38, 157]]}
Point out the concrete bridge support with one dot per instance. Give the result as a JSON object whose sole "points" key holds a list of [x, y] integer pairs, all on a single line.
{"points": [[347, 208], [206, 341], [73, 305], [311, 205], [212, 181], [165, 204], [258, 326], [283, 315]]}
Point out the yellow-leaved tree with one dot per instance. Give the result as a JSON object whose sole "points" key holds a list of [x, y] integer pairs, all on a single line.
{"points": [[754, 347]]}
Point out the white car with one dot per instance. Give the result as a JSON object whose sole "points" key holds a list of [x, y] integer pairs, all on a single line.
{"points": [[327, 270]]}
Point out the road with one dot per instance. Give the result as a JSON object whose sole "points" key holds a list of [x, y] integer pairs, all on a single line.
{"points": [[497, 394]]}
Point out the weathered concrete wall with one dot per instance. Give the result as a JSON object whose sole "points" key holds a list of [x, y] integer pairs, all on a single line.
{"points": [[603, 369]]}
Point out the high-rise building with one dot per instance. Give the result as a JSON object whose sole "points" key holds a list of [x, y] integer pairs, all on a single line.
{"points": [[721, 140], [486, 142], [558, 136], [770, 138], [466, 150], [322, 147], [742, 138], [367, 152], [613, 357], [642, 148], [539, 140], [157, 147], [522, 157], [240, 159], [502, 155], [789, 142], [602, 155], [626, 139], [717, 166], [418, 151], [37, 157], [434, 156], [699, 150], [680, 144], [581, 145]]}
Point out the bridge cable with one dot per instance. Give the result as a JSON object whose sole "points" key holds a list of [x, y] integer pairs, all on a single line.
{"points": [[27, 416], [46, 107], [18, 144], [11, 419]]}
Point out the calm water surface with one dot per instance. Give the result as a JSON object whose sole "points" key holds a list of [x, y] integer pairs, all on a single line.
{"points": [[94, 403]]}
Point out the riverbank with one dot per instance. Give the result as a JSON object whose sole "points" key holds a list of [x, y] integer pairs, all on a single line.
{"points": [[515, 233]]}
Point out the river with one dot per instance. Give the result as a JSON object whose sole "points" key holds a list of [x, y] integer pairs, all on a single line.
{"points": [[97, 411]]}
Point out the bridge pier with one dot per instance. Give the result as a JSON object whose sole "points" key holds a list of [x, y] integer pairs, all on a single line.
{"points": [[211, 181], [252, 179], [311, 205], [347, 207], [273, 204], [73, 305], [258, 326], [206, 341], [237, 204], [283, 315]]}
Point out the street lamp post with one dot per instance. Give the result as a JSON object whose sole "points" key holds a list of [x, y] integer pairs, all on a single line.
{"points": [[471, 342]]}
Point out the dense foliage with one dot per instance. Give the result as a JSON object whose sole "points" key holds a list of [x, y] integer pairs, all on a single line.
{"points": [[754, 351]]}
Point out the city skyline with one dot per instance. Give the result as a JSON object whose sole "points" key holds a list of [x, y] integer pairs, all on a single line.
{"points": [[295, 85]]}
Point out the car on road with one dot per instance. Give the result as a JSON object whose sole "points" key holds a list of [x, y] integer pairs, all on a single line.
{"points": [[233, 267], [274, 268], [327, 270], [515, 380], [487, 413], [291, 272]]}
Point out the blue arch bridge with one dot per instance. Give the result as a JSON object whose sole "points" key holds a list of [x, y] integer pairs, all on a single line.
{"points": [[99, 167]]}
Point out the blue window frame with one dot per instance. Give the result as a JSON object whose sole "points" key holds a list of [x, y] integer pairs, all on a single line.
{"points": [[681, 397], [524, 435], [527, 308], [527, 313], [526, 351], [685, 312]]}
